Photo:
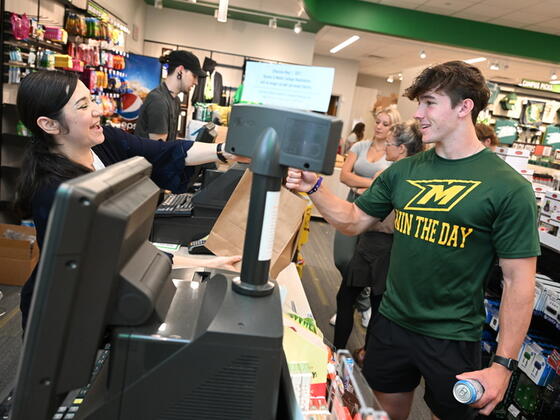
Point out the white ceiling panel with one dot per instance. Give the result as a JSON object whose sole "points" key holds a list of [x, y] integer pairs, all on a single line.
{"points": [[393, 55]]}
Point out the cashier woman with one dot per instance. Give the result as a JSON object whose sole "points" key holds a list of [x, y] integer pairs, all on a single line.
{"points": [[68, 141]]}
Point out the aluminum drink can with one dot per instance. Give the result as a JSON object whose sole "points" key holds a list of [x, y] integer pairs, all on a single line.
{"points": [[468, 391]]}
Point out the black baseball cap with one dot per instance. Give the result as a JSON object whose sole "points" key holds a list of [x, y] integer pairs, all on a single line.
{"points": [[186, 59]]}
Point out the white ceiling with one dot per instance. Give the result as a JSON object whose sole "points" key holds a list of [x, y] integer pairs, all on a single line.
{"points": [[533, 15], [381, 55], [391, 55]]}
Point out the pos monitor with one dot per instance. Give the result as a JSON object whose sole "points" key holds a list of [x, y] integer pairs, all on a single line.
{"points": [[96, 269]]}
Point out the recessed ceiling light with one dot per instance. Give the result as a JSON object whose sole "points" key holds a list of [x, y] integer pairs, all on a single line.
{"points": [[344, 44], [475, 60]]}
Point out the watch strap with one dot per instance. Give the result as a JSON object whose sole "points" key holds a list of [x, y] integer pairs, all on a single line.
{"points": [[510, 364]]}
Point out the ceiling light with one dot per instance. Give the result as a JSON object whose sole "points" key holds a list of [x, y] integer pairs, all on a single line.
{"points": [[553, 76], [494, 66], [222, 11], [272, 23], [344, 44], [158, 4], [390, 79], [475, 60], [423, 54], [297, 27]]}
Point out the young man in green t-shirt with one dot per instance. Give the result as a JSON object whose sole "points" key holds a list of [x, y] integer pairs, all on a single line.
{"points": [[458, 207]]}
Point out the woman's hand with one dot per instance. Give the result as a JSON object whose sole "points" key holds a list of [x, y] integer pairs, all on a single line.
{"points": [[226, 263], [236, 158], [301, 181]]}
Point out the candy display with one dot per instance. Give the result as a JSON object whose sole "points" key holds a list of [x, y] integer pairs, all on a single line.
{"points": [[92, 46]]}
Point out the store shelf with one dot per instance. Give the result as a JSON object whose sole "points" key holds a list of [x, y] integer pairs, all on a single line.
{"points": [[19, 64], [550, 241], [28, 43], [551, 165]]}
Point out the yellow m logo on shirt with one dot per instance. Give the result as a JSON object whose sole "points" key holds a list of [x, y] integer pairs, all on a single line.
{"points": [[439, 194]]}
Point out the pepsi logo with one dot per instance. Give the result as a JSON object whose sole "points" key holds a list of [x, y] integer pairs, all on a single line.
{"points": [[130, 106]]}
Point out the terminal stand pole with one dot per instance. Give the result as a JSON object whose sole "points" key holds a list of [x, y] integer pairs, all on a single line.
{"points": [[265, 190]]}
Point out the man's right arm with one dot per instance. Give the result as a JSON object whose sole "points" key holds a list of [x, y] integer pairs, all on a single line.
{"points": [[346, 217]]}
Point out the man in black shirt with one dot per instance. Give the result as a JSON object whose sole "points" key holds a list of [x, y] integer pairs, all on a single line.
{"points": [[159, 114]]}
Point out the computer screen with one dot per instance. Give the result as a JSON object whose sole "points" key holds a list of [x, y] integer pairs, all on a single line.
{"points": [[97, 269]]}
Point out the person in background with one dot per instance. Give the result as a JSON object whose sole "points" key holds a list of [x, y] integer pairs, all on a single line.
{"points": [[370, 262], [159, 115], [68, 141], [355, 136], [487, 136], [364, 160], [458, 207]]}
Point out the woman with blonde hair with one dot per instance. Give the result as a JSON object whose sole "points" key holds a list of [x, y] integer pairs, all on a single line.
{"points": [[364, 160]]}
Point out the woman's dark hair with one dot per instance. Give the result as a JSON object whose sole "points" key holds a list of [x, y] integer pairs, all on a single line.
{"points": [[43, 94], [359, 129], [456, 79], [409, 134]]}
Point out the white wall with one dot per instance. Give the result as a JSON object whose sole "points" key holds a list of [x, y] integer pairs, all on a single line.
{"points": [[406, 107], [345, 76], [133, 12], [177, 27], [384, 88], [362, 107]]}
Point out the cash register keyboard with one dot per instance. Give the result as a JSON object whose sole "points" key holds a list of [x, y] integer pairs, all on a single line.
{"points": [[176, 205], [72, 403]]}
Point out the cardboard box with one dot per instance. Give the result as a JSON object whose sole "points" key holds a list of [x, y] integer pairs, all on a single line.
{"points": [[17, 257]]}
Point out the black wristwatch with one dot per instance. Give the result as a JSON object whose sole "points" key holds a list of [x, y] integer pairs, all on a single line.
{"points": [[509, 364], [220, 153]]}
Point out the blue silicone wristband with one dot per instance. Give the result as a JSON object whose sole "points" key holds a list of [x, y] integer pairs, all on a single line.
{"points": [[316, 186]]}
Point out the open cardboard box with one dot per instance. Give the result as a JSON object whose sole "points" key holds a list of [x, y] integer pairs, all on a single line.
{"points": [[17, 257]]}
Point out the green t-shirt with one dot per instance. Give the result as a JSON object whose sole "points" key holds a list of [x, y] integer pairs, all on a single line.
{"points": [[453, 217]]}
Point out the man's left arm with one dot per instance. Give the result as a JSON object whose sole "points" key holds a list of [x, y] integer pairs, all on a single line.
{"points": [[516, 310]]}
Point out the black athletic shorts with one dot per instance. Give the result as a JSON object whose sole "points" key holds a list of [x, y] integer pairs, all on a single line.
{"points": [[397, 358]]}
